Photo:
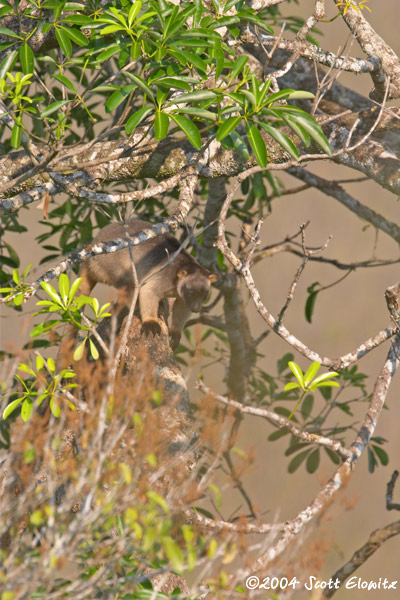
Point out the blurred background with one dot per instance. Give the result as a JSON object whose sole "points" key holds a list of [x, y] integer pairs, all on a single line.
{"points": [[344, 317]]}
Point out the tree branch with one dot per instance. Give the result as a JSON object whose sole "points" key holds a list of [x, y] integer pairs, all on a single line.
{"points": [[280, 422], [342, 474]]}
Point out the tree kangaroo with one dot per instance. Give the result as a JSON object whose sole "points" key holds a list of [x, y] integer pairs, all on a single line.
{"points": [[183, 278]]}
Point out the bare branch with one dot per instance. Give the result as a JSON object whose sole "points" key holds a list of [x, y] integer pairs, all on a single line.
{"points": [[333, 189], [170, 224], [390, 505], [337, 364], [241, 526], [375, 541], [280, 422], [307, 253], [342, 474]]}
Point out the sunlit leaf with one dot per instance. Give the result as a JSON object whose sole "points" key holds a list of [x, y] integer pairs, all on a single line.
{"points": [[257, 144], [189, 128]]}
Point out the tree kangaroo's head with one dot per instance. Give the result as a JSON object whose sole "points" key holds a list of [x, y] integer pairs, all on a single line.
{"points": [[194, 286]]}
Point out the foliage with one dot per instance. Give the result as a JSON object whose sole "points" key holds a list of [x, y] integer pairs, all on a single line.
{"points": [[121, 502], [39, 388], [165, 91]]}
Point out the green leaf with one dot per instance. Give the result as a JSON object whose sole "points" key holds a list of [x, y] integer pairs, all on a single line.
{"points": [[174, 553], [26, 369], [186, 57], [53, 107], [74, 288], [382, 455], [263, 92], [291, 386], [7, 64], [297, 460], [333, 456], [220, 60], [142, 85], [173, 82], [9, 33], [311, 372], [63, 286], [276, 435], [27, 59], [239, 144], [55, 408], [283, 362], [16, 135], [26, 409], [76, 36], [281, 95], [198, 12], [16, 276], [134, 11], [313, 461], [250, 96], [51, 292], [238, 67], [297, 372], [64, 41], [189, 128], [78, 20], [158, 500], [11, 407], [19, 299], [300, 95], [137, 118], [93, 350], [309, 306], [282, 139], [323, 377], [257, 144], [117, 97], [197, 112], [112, 29], [161, 125], [194, 97], [297, 128], [27, 271], [314, 130], [323, 384], [224, 21], [110, 51], [227, 126], [79, 351], [65, 81]]}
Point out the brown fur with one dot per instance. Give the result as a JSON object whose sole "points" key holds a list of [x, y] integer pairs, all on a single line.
{"points": [[183, 279]]}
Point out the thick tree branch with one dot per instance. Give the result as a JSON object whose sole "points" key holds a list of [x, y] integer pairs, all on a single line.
{"points": [[374, 45], [170, 224], [333, 189]]}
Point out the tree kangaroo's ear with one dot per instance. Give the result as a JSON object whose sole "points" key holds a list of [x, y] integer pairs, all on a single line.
{"points": [[212, 277], [181, 273]]}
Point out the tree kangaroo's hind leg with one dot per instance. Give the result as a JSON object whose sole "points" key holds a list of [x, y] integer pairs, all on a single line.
{"points": [[149, 302]]}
